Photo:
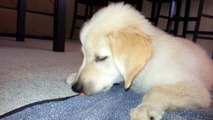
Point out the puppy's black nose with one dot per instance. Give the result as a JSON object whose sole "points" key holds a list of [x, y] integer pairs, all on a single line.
{"points": [[77, 87]]}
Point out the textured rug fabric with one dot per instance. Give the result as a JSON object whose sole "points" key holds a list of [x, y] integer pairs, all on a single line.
{"points": [[112, 105], [29, 75]]}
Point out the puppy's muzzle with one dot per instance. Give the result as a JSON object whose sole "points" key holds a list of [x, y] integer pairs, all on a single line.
{"points": [[77, 87]]}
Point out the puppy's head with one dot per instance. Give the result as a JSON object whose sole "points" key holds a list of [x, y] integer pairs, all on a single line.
{"points": [[98, 71], [115, 48]]}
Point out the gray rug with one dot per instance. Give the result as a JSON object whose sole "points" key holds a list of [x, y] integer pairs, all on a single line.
{"points": [[31, 75], [114, 104]]}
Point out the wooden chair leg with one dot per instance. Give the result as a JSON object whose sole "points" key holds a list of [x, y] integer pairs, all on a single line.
{"points": [[74, 19], [186, 16], [178, 8], [59, 25], [156, 18], [154, 4], [197, 25], [20, 27], [171, 15]]}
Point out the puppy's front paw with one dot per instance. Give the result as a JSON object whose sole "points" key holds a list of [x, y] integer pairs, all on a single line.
{"points": [[146, 112], [71, 78]]}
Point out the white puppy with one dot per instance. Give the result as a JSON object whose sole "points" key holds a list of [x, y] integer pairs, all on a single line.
{"points": [[119, 44]]}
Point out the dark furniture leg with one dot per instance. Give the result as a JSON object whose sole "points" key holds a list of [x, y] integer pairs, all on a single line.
{"points": [[139, 5], [20, 27], [171, 15], [197, 25], [59, 25], [178, 8], [74, 19], [186, 16], [91, 8], [154, 4], [155, 17]]}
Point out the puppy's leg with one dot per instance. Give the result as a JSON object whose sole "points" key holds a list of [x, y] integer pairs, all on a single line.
{"points": [[161, 98]]}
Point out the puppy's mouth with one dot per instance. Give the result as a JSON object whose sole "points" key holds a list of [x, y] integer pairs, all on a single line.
{"points": [[106, 88], [82, 94], [89, 92], [90, 88]]}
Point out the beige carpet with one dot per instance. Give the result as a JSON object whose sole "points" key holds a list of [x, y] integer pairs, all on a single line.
{"points": [[30, 71]]}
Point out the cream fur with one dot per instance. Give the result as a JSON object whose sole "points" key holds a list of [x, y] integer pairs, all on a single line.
{"points": [[177, 75]]}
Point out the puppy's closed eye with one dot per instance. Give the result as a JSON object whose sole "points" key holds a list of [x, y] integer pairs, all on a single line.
{"points": [[100, 58]]}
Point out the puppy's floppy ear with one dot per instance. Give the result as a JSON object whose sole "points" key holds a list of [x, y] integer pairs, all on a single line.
{"points": [[131, 51]]}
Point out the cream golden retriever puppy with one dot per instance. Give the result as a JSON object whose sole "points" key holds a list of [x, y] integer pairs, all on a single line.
{"points": [[119, 44]]}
